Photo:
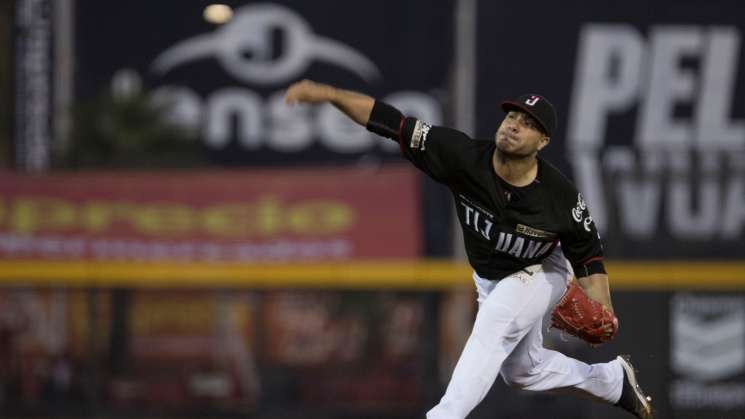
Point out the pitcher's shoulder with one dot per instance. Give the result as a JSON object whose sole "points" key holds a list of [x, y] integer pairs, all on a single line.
{"points": [[554, 179]]}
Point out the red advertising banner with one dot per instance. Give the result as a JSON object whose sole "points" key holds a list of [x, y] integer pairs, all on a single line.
{"points": [[220, 216]]}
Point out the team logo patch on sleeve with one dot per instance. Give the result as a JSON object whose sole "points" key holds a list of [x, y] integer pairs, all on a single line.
{"points": [[579, 209], [578, 213], [419, 136]]}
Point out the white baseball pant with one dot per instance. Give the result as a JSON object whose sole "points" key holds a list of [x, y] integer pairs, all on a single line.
{"points": [[507, 338]]}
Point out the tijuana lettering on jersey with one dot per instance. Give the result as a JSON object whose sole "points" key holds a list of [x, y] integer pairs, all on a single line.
{"points": [[505, 228]]}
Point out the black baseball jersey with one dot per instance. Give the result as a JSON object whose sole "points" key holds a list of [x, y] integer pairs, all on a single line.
{"points": [[505, 228]]}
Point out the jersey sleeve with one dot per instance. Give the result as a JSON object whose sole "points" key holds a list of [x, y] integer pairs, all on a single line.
{"points": [[581, 242], [437, 151]]}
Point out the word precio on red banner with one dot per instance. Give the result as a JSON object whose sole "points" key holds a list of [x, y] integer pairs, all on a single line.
{"points": [[265, 216]]}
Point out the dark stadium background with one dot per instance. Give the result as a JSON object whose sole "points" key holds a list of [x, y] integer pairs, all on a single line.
{"points": [[174, 243]]}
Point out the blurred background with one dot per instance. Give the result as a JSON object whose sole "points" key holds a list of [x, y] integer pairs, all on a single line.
{"points": [[176, 243]]}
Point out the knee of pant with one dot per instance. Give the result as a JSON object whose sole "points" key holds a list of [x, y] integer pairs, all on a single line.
{"points": [[517, 375]]}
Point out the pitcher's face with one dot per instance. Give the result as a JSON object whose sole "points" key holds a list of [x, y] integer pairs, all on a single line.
{"points": [[520, 135]]}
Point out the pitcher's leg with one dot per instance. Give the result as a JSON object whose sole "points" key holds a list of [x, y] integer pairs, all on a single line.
{"points": [[504, 317], [530, 366]]}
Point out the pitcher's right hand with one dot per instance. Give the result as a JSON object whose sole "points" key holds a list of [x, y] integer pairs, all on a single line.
{"points": [[308, 91]]}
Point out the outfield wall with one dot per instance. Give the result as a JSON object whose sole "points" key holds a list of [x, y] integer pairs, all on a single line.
{"points": [[352, 340]]}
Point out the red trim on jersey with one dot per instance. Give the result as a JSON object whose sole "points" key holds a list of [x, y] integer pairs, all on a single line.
{"points": [[592, 259], [401, 135]]}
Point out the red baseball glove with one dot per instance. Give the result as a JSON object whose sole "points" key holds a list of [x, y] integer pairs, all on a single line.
{"points": [[583, 317]]}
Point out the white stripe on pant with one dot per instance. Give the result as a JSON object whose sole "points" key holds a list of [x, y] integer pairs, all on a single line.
{"points": [[507, 338]]}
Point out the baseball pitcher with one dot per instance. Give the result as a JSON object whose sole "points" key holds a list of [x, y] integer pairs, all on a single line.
{"points": [[528, 233]]}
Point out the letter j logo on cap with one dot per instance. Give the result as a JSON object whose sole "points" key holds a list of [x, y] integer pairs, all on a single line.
{"points": [[531, 101]]}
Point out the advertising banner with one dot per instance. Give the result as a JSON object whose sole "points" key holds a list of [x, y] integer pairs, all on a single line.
{"points": [[222, 72], [187, 348], [366, 345], [651, 109], [47, 339], [226, 216], [226, 353], [707, 355], [348, 352]]}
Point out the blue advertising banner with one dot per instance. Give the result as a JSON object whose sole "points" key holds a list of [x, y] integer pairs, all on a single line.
{"points": [[223, 71], [651, 103]]}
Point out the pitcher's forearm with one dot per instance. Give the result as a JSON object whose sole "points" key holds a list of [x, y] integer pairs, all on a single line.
{"points": [[596, 287], [355, 105]]}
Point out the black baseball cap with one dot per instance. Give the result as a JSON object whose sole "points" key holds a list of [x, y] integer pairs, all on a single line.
{"points": [[536, 106]]}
